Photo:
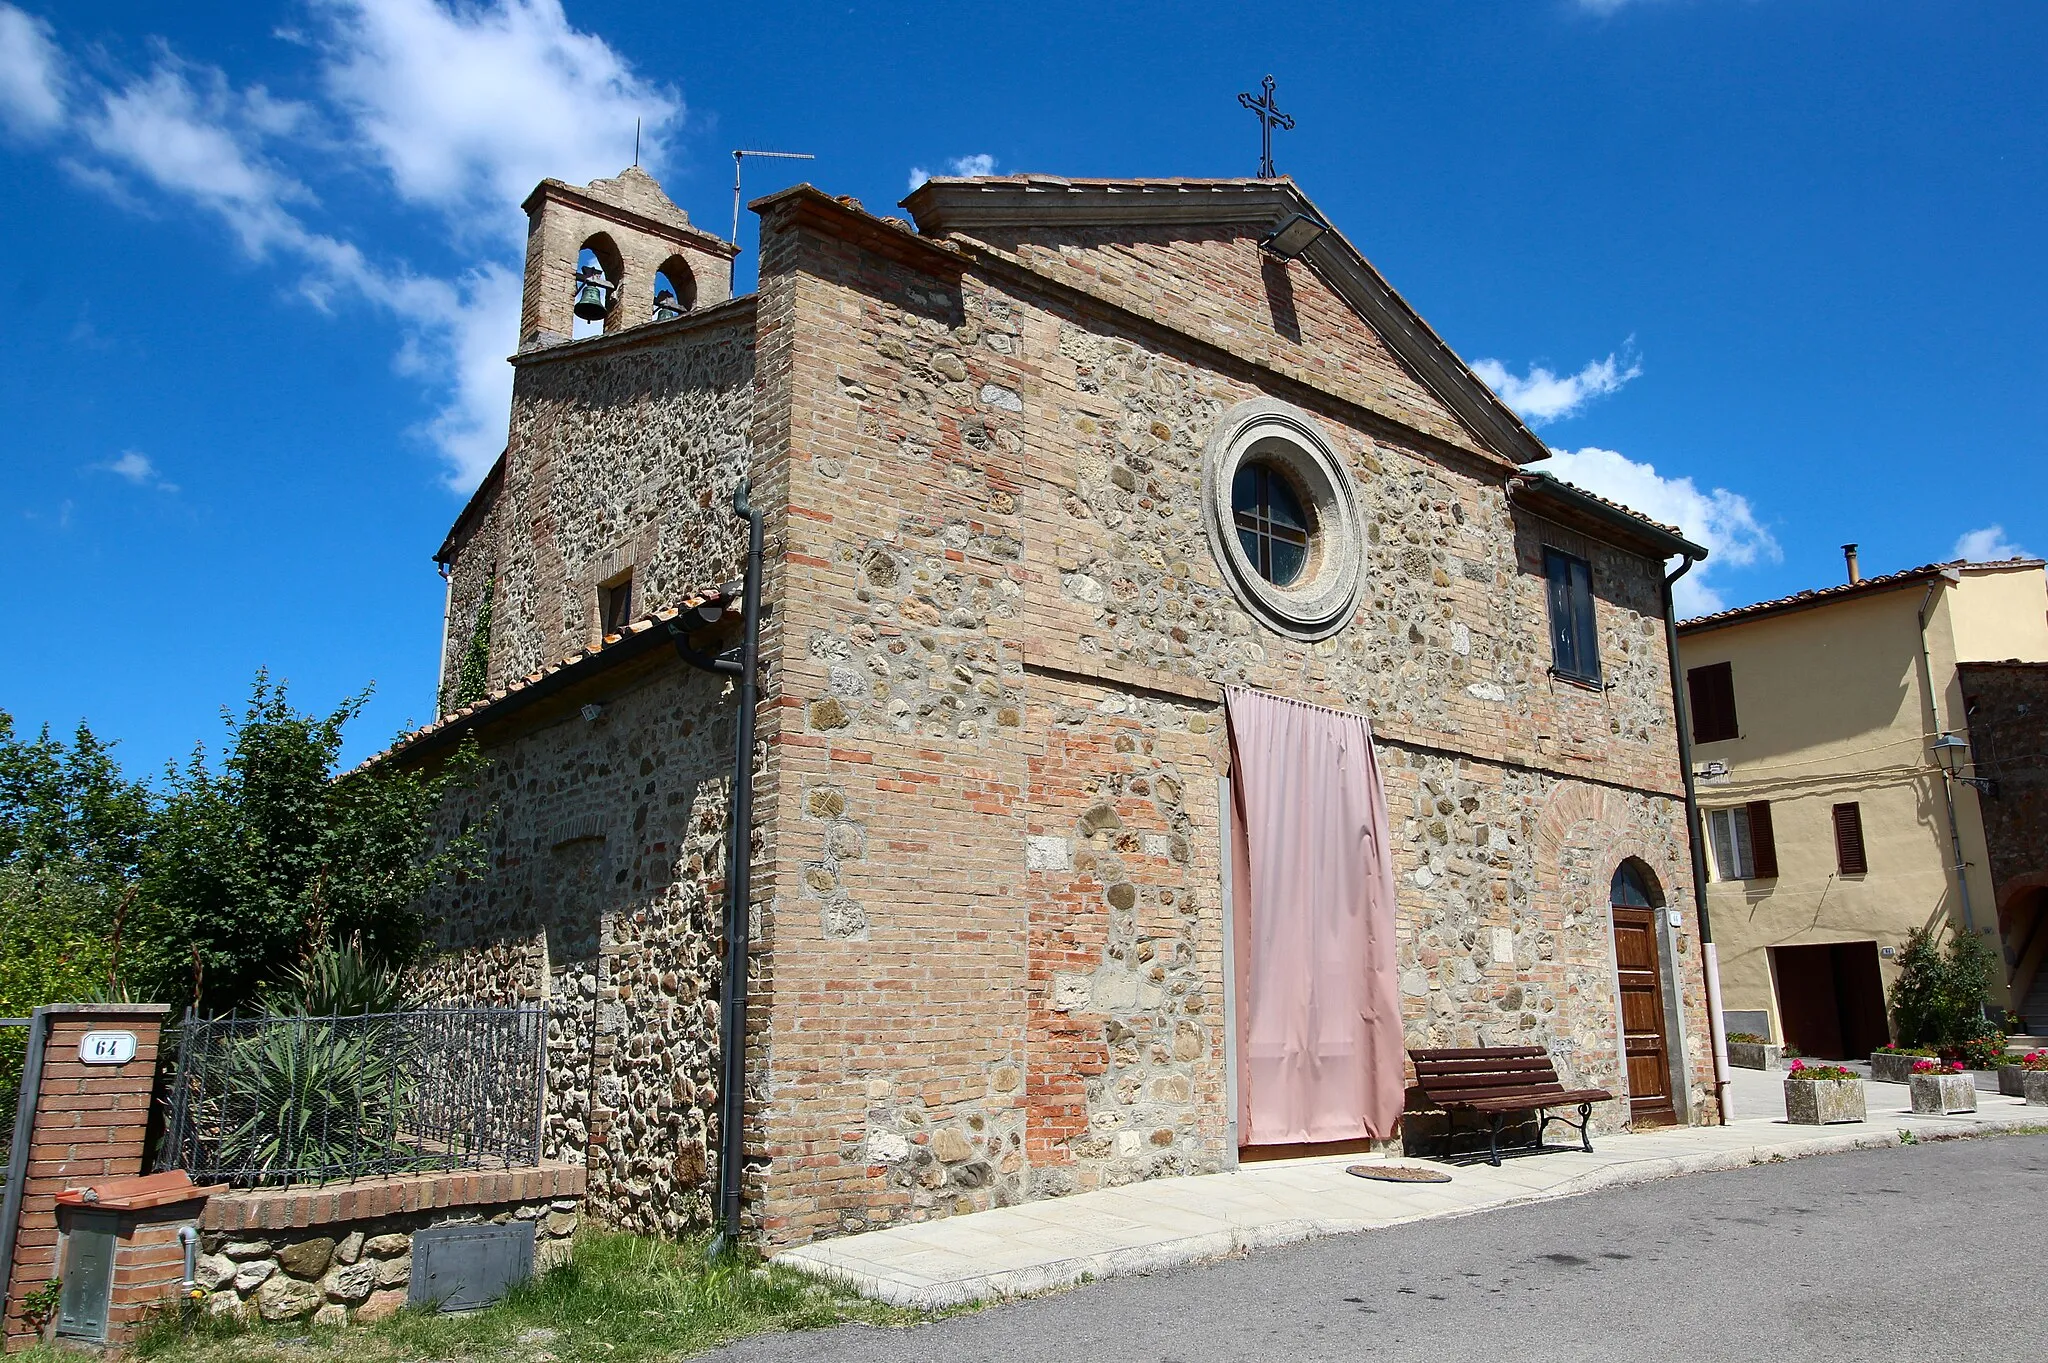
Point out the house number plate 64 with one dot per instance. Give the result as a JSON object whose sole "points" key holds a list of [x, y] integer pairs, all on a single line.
{"points": [[106, 1048]]}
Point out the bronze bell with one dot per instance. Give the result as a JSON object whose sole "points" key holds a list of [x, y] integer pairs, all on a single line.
{"points": [[593, 294], [666, 308]]}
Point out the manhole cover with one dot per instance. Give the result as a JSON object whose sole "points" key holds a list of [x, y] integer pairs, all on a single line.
{"points": [[1398, 1173]]}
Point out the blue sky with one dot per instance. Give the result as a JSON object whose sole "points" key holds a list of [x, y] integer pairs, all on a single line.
{"points": [[1768, 268]]}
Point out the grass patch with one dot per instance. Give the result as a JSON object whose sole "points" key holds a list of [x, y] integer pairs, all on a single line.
{"points": [[625, 1298]]}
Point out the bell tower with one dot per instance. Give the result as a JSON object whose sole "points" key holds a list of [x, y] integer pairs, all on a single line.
{"points": [[616, 253]]}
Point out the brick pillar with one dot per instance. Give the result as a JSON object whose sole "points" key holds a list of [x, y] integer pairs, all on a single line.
{"points": [[89, 1123]]}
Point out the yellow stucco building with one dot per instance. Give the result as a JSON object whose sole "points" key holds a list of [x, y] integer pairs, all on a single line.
{"points": [[1831, 830]]}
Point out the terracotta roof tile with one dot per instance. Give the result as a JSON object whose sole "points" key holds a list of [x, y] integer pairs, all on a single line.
{"points": [[581, 660], [1821, 595]]}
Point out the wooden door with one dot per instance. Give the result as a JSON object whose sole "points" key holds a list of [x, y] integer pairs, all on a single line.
{"points": [[1644, 1047]]}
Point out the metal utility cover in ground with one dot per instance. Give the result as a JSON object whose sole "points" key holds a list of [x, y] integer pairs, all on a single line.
{"points": [[459, 1268]]}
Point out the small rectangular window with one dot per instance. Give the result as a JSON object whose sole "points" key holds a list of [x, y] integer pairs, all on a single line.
{"points": [[1710, 695], [1728, 831], [615, 605], [1850, 859], [1574, 636]]}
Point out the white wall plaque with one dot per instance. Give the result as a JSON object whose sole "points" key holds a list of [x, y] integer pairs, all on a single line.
{"points": [[106, 1048]]}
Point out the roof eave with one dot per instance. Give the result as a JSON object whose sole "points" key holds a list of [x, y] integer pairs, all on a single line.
{"points": [[1557, 500]]}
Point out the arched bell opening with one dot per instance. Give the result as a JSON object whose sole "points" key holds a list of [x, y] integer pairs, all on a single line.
{"points": [[675, 290], [599, 282]]}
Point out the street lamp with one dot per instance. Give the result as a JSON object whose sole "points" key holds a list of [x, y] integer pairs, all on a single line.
{"points": [[1952, 754]]}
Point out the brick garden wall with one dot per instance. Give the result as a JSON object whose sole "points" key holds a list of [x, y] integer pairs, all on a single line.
{"points": [[89, 1125]]}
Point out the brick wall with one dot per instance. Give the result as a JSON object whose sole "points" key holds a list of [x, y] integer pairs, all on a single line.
{"points": [[89, 1125]]}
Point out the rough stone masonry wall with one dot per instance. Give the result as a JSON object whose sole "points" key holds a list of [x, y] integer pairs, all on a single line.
{"points": [[2007, 705], [603, 902], [472, 579], [997, 922], [623, 456], [342, 1253]]}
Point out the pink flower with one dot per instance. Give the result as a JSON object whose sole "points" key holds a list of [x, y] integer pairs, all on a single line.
{"points": [[1796, 1066]]}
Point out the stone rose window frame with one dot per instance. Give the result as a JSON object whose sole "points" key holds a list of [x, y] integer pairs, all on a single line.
{"points": [[1323, 597]]}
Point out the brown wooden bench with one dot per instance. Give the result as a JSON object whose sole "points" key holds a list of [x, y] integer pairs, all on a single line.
{"points": [[1495, 1082]]}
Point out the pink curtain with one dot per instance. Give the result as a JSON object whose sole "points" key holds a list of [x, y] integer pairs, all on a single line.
{"points": [[1318, 1004]]}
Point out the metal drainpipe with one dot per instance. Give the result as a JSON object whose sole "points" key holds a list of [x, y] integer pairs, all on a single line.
{"points": [[739, 882], [1710, 960], [1948, 787]]}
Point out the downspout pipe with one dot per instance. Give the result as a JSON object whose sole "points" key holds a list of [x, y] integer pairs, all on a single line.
{"points": [[1710, 960], [1948, 786], [739, 880]]}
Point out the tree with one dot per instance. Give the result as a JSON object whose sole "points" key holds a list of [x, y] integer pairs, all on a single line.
{"points": [[255, 863], [1938, 998], [69, 804]]}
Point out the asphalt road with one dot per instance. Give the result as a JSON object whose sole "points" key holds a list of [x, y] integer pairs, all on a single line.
{"points": [[1921, 1252]]}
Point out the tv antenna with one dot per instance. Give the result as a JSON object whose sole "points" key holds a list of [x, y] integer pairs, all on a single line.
{"points": [[777, 155]]}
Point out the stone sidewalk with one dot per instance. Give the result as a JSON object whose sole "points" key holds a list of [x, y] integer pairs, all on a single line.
{"points": [[1162, 1223]]}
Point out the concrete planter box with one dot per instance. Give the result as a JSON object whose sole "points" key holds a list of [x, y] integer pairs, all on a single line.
{"points": [[1889, 1068], [1755, 1055], [2036, 1088], [2011, 1081], [1823, 1102], [1935, 1094]]}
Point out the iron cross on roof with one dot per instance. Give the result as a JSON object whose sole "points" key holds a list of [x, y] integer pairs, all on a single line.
{"points": [[1270, 117]]}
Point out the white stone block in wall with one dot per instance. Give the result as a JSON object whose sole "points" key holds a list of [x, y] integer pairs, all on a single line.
{"points": [[1047, 854], [1069, 992], [1503, 946], [887, 1147]]}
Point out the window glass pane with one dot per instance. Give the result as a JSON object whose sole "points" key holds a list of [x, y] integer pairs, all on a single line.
{"points": [[1244, 488], [1728, 832], [1284, 506], [1588, 637], [1287, 562]]}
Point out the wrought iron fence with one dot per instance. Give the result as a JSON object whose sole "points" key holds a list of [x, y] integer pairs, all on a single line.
{"points": [[13, 1050], [275, 1100]]}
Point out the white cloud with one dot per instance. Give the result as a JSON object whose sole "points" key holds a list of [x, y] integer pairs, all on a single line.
{"points": [[1987, 546], [136, 467], [31, 93], [1721, 521], [1541, 396], [463, 107], [980, 163], [467, 108]]}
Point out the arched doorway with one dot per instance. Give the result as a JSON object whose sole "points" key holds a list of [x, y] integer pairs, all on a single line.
{"points": [[1635, 901]]}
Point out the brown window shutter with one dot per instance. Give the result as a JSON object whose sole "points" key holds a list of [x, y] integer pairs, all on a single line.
{"points": [[1710, 695], [1849, 856], [1763, 844]]}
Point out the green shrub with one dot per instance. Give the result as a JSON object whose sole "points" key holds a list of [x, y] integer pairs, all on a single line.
{"points": [[1938, 998], [308, 1097]]}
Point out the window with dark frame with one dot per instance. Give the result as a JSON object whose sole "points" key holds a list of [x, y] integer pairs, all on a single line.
{"points": [[615, 605], [1744, 844], [1574, 636], [1710, 695], [1850, 858], [1272, 525]]}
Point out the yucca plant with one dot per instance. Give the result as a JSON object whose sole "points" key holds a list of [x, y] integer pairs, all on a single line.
{"points": [[310, 1097], [340, 979]]}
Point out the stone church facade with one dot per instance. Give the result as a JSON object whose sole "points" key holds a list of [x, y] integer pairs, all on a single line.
{"points": [[996, 455]]}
